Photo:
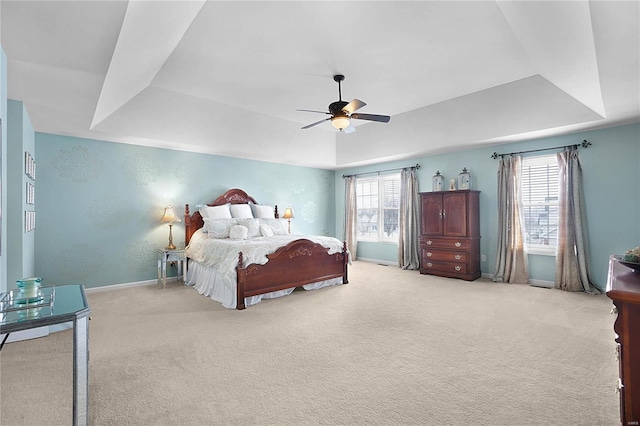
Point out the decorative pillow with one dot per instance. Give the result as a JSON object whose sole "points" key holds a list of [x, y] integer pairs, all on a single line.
{"points": [[218, 228], [266, 230], [238, 232], [261, 211], [252, 225], [241, 211], [215, 212], [278, 226]]}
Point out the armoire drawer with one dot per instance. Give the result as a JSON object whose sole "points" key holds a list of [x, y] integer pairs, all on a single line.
{"points": [[429, 254], [445, 243], [453, 267]]}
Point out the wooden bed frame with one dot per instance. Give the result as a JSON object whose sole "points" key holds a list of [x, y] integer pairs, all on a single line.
{"points": [[299, 262]]}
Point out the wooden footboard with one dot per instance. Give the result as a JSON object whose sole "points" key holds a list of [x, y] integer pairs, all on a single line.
{"points": [[299, 262]]}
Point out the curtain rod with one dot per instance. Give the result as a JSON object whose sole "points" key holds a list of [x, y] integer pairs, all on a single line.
{"points": [[584, 144], [417, 166]]}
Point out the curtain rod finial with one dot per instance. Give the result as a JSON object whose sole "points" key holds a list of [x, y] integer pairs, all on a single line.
{"points": [[586, 143]]}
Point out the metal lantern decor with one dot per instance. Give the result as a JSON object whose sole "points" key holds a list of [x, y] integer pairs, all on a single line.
{"points": [[464, 179], [437, 181]]}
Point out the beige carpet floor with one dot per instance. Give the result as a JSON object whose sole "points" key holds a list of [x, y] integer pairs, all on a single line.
{"points": [[393, 347]]}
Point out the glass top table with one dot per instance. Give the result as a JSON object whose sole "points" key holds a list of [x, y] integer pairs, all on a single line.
{"points": [[55, 305], [59, 304]]}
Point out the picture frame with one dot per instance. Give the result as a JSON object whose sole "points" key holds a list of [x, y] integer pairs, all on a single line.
{"points": [[29, 165], [30, 196], [27, 162], [29, 220]]}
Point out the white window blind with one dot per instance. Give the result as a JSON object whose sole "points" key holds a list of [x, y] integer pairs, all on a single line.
{"points": [[378, 202], [540, 203]]}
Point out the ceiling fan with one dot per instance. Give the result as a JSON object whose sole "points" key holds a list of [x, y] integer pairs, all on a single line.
{"points": [[342, 112]]}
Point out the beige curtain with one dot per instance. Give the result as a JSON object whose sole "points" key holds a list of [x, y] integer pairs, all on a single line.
{"points": [[572, 257], [511, 265], [350, 215], [409, 220]]}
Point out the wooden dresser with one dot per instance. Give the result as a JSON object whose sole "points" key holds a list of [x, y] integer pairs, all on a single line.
{"points": [[450, 234], [623, 287]]}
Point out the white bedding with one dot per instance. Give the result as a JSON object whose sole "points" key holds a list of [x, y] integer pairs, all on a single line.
{"points": [[213, 262]]}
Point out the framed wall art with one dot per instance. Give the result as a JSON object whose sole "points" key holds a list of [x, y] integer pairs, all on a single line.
{"points": [[29, 165], [29, 220], [30, 193]]}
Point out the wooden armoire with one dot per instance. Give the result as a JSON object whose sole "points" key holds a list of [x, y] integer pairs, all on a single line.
{"points": [[450, 234]]}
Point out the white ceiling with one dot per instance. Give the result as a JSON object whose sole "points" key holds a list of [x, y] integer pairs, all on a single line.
{"points": [[226, 78]]}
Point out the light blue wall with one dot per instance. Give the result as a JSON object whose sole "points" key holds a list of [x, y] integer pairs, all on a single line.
{"points": [[3, 171], [20, 244], [99, 203], [611, 184]]}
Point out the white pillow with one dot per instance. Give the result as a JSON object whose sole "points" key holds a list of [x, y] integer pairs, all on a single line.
{"points": [[197, 237], [218, 228], [215, 212], [261, 211], [278, 226], [238, 232], [240, 211], [266, 230], [253, 227]]}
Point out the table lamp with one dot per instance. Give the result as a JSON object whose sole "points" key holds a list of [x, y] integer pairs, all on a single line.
{"points": [[288, 214], [169, 216]]}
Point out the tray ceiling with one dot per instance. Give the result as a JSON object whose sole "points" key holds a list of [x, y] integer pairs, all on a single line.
{"points": [[226, 78]]}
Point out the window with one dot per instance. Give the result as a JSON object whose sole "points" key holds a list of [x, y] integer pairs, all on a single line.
{"points": [[540, 203], [378, 201]]}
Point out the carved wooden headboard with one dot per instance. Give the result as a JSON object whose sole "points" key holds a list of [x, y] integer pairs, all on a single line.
{"points": [[193, 222]]}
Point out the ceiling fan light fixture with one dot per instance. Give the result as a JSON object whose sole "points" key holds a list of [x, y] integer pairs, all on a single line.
{"points": [[340, 122], [342, 112]]}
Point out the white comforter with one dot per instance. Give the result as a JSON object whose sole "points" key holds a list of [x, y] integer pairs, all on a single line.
{"points": [[217, 259]]}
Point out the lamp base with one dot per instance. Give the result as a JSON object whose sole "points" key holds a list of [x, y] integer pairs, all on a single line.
{"points": [[170, 246]]}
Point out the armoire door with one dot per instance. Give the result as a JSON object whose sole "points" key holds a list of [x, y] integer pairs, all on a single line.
{"points": [[454, 214], [431, 214]]}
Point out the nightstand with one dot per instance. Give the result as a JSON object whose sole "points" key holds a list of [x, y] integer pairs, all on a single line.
{"points": [[168, 256]]}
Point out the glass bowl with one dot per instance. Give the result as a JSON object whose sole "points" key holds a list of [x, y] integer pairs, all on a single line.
{"points": [[29, 286]]}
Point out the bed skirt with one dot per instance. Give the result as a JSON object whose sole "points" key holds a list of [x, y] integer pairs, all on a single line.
{"points": [[208, 282]]}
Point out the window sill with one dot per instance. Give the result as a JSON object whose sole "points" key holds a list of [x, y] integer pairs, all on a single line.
{"points": [[541, 251], [377, 241]]}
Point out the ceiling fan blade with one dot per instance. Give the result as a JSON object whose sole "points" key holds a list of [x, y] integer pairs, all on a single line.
{"points": [[313, 110], [316, 123], [372, 117], [354, 105]]}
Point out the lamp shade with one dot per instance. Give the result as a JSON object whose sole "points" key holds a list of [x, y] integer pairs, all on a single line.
{"points": [[169, 215], [288, 213], [340, 122]]}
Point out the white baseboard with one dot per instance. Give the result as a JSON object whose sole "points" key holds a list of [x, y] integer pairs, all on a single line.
{"points": [[379, 262], [534, 283], [123, 285], [542, 283]]}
